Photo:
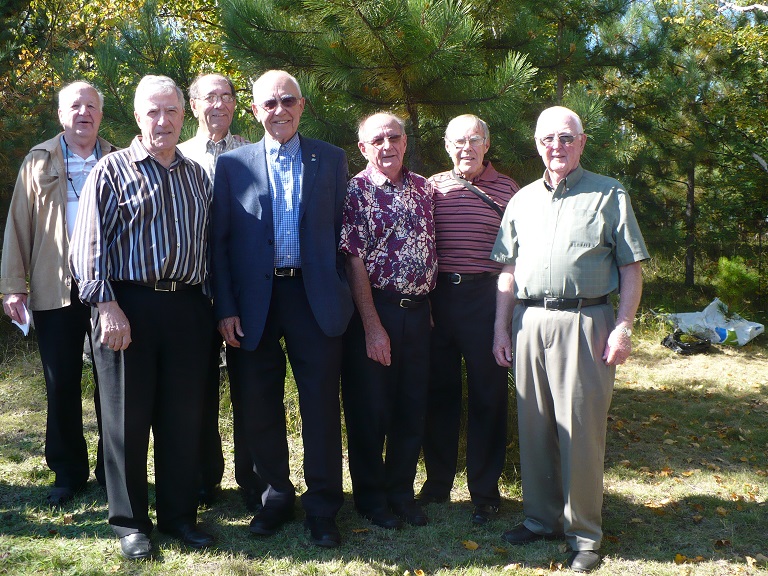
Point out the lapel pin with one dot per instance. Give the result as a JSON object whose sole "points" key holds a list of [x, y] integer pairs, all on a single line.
{"points": [[314, 158]]}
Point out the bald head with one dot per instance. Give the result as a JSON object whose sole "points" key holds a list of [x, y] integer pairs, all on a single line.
{"points": [[278, 104], [560, 141]]}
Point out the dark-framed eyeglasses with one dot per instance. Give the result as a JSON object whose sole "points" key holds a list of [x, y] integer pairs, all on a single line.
{"points": [[474, 141], [216, 98], [378, 142], [287, 101], [564, 139]]}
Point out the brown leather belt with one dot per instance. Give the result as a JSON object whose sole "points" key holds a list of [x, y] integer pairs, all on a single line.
{"points": [[565, 303]]}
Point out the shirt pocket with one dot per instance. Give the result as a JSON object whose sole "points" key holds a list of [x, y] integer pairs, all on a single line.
{"points": [[584, 228]]}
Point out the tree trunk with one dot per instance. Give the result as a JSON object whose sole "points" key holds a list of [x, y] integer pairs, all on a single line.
{"points": [[690, 225]]}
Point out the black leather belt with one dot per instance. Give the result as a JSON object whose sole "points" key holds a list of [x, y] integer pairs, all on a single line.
{"points": [[288, 272], [402, 300], [165, 285], [565, 303], [456, 278]]}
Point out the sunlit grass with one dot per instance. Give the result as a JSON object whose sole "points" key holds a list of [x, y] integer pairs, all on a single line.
{"points": [[686, 479]]}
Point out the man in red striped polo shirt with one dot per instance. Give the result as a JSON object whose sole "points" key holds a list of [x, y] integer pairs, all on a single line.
{"points": [[469, 201]]}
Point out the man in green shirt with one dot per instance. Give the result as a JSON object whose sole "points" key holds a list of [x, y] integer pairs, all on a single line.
{"points": [[567, 241]]}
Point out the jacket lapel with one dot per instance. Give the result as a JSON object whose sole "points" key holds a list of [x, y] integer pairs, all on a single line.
{"points": [[310, 159]]}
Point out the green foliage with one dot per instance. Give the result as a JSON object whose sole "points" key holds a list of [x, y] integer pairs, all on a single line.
{"points": [[737, 283], [423, 60]]}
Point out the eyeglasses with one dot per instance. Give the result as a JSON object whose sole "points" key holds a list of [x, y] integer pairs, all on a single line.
{"points": [[379, 142], [285, 102], [473, 141], [564, 139], [216, 98]]}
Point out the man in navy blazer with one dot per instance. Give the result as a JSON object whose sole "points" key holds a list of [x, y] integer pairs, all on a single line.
{"points": [[277, 274]]}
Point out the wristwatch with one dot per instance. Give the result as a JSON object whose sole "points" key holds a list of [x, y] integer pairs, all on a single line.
{"points": [[626, 331]]}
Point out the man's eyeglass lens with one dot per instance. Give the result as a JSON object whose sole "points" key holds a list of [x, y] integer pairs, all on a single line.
{"points": [[379, 142], [285, 102], [473, 141], [564, 139], [214, 98]]}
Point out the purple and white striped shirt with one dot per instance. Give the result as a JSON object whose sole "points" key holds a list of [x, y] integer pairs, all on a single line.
{"points": [[139, 221]]}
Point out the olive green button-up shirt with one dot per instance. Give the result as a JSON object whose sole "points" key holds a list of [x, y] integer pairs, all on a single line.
{"points": [[569, 242]]}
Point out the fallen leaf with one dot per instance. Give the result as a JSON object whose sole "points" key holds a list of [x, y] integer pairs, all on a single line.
{"points": [[419, 572], [500, 551], [721, 511], [516, 566], [360, 530], [67, 519], [698, 518], [680, 559], [722, 543], [751, 561], [470, 544]]}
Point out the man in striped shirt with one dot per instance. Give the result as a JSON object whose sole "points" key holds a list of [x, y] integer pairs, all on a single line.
{"points": [[139, 257], [463, 311]]}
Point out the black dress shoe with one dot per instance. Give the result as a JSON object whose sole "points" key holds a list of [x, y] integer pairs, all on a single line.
{"points": [[483, 513], [521, 535], [60, 495], [411, 513], [432, 498], [191, 535], [269, 519], [383, 518], [584, 560], [136, 546], [323, 530], [208, 495]]}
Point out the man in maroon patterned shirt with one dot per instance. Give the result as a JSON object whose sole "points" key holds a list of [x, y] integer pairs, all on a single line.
{"points": [[388, 235], [463, 311]]}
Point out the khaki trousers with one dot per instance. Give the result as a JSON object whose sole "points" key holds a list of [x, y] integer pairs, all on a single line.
{"points": [[563, 394]]}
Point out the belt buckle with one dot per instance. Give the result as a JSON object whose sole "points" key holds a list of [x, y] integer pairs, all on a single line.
{"points": [[284, 272], [455, 278], [548, 301], [404, 302], [171, 289]]}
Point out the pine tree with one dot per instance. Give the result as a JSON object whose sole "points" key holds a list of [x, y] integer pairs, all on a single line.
{"points": [[424, 60]]}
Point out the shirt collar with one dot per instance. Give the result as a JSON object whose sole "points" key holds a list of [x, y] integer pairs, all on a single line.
{"points": [[380, 180], [569, 182], [202, 136], [67, 151], [489, 173], [140, 153], [290, 148]]}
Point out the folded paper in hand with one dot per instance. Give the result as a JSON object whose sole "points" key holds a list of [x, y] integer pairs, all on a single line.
{"points": [[23, 326]]}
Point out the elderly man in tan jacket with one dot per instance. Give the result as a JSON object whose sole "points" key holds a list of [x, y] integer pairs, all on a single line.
{"points": [[35, 276]]}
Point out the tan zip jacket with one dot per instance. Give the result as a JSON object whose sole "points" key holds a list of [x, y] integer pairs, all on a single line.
{"points": [[36, 243]]}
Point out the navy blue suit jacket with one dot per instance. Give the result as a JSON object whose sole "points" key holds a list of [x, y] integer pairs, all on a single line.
{"points": [[242, 238]]}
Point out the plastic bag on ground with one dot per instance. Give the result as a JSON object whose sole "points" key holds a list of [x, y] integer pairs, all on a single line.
{"points": [[715, 324]]}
